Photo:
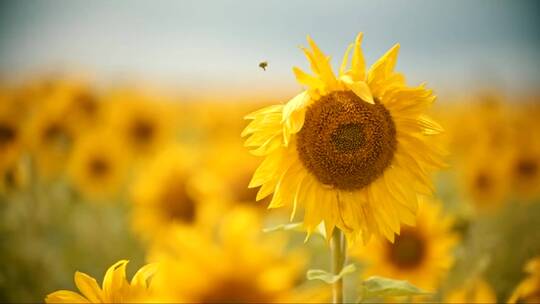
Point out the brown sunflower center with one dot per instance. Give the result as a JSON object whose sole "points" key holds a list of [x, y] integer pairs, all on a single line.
{"points": [[483, 182], [177, 204], [346, 142], [7, 134], [527, 168], [408, 249], [98, 166], [142, 131]]}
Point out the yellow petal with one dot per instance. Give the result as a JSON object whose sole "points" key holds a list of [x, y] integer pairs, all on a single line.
{"points": [[358, 69], [360, 88], [88, 287], [114, 280], [345, 61], [65, 296]]}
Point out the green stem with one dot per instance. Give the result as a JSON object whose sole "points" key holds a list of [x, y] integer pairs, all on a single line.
{"points": [[338, 260]]}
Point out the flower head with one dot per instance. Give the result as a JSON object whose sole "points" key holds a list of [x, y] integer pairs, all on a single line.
{"points": [[115, 287], [353, 150]]}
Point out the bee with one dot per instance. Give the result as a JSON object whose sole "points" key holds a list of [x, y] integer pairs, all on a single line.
{"points": [[263, 65]]}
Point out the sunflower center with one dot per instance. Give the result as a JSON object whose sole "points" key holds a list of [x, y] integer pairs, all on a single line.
{"points": [[483, 182], [177, 204], [142, 131], [527, 168], [408, 249], [99, 167], [346, 142], [87, 103], [7, 134]]}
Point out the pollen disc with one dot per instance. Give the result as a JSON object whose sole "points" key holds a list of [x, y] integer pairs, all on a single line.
{"points": [[346, 142]]}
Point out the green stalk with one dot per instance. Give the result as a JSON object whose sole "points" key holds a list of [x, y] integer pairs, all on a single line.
{"points": [[339, 253]]}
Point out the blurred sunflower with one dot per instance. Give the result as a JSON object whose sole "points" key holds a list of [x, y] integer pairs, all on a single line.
{"points": [[421, 255], [528, 291], [525, 168], [236, 264], [163, 194], [485, 177], [50, 137], [143, 124], [233, 184], [11, 141], [98, 167], [115, 287], [354, 150]]}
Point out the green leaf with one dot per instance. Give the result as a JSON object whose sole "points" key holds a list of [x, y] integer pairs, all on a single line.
{"points": [[379, 287], [330, 278], [291, 226]]}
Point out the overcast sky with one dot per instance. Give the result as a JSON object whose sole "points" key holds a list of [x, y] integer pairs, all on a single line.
{"points": [[217, 44]]}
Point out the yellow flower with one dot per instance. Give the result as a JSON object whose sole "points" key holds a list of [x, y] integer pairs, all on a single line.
{"points": [[485, 177], [528, 291], [354, 150], [97, 166], [11, 141], [142, 123], [234, 264], [524, 166], [477, 291], [421, 254], [115, 289], [50, 137], [164, 194]]}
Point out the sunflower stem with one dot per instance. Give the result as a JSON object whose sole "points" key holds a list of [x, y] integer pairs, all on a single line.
{"points": [[338, 247]]}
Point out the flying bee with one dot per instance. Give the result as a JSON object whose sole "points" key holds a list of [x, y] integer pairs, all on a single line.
{"points": [[263, 65]]}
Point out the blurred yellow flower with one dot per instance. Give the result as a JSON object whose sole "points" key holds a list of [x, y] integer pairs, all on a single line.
{"points": [[485, 177], [477, 291], [11, 141], [143, 124], [354, 150], [528, 291], [50, 137], [98, 166], [234, 264], [115, 287], [164, 194], [524, 167], [421, 255]]}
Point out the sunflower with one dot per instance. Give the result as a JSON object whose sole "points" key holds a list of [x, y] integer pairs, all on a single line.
{"points": [[115, 288], [97, 166], [524, 164], [235, 264], [421, 254], [354, 150], [528, 291], [50, 137], [142, 123], [164, 194], [485, 179], [11, 142], [477, 291]]}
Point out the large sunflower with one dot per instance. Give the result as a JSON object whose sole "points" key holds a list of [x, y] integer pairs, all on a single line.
{"points": [[115, 287], [234, 264], [422, 254], [353, 150]]}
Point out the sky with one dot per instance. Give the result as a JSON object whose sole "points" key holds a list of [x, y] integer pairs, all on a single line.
{"points": [[217, 45]]}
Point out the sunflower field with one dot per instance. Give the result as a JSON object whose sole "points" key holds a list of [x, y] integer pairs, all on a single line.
{"points": [[358, 185]]}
